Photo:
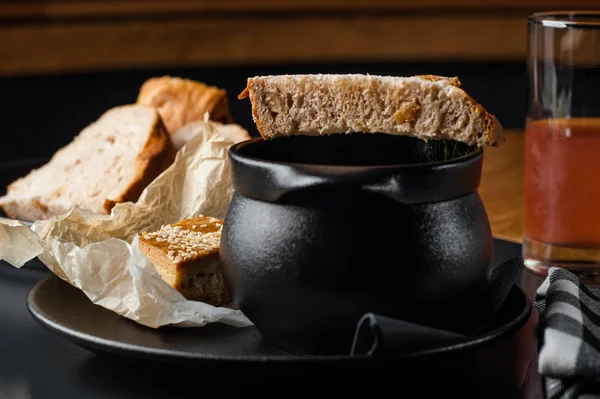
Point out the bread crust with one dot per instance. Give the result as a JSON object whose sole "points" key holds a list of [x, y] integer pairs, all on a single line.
{"points": [[156, 156], [259, 88], [253, 94], [453, 81], [199, 276], [180, 101]]}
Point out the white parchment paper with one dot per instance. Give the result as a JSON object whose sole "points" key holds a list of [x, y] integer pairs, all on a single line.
{"points": [[99, 253]]}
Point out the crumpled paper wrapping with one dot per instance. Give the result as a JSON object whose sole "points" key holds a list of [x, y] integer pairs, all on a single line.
{"points": [[99, 253]]}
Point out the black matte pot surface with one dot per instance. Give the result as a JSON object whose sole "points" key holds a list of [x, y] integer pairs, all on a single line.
{"points": [[322, 230]]}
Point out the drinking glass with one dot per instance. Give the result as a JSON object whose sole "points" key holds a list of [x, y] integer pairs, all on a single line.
{"points": [[562, 143]]}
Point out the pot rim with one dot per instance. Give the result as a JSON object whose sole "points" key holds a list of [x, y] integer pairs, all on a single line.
{"points": [[236, 150], [410, 183]]}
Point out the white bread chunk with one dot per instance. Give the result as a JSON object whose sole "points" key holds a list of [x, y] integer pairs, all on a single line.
{"points": [[425, 106], [110, 161]]}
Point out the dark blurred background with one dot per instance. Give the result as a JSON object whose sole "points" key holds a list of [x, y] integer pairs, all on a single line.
{"points": [[64, 62]]}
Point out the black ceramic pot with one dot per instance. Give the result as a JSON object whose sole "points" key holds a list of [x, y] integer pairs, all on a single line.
{"points": [[322, 230]]}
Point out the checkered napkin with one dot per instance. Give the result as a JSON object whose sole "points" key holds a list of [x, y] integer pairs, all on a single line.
{"points": [[569, 355]]}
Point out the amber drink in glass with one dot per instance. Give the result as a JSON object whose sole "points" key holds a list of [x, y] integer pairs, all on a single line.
{"points": [[562, 144]]}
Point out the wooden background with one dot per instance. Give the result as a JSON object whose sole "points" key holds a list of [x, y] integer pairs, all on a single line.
{"points": [[51, 36], [54, 53]]}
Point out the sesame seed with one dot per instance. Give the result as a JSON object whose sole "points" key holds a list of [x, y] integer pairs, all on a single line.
{"points": [[185, 244]]}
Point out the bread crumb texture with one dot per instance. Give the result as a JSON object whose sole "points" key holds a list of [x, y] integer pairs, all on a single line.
{"points": [[425, 106], [109, 161]]}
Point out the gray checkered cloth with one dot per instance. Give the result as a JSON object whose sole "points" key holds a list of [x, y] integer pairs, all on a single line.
{"points": [[569, 354]]}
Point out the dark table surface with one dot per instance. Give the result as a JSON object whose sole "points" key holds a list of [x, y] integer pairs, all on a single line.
{"points": [[36, 363]]}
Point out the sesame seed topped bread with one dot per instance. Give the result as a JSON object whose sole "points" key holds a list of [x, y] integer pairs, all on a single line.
{"points": [[425, 106], [186, 256], [110, 161], [180, 101]]}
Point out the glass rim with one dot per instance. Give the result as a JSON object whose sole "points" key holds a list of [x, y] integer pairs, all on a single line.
{"points": [[566, 19]]}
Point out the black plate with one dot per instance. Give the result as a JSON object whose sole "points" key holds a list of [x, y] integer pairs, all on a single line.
{"points": [[67, 311]]}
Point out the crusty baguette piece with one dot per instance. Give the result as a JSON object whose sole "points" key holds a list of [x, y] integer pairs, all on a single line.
{"points": [[231, 131], [180, 101], [186, 256], [426, 106], [110, 161]]}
